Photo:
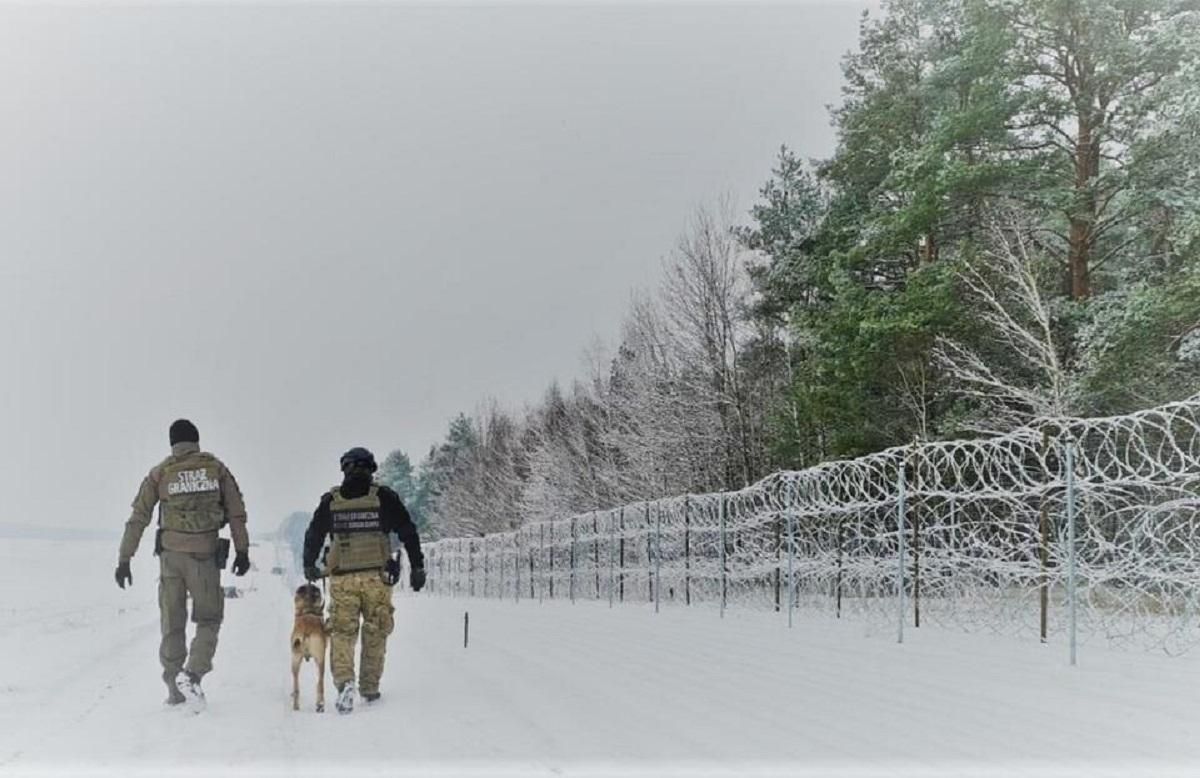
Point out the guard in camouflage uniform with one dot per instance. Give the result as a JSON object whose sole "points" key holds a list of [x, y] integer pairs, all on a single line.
{"points": [[360, 516], [196, 495]]}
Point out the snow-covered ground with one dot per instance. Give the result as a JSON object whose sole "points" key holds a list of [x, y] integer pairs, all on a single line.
{"points": [[556, 689]]}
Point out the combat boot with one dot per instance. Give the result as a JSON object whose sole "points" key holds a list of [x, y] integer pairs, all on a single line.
{"points": [[345, 700], [188, 685], [174, 698]]}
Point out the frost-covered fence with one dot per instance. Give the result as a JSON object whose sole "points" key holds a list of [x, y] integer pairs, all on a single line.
{"points": [[984, 537]]}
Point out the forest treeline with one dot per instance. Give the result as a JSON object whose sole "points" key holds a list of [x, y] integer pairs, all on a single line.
{"points": [[1008, 228]]}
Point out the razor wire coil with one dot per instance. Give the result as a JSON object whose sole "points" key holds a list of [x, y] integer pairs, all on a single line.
{"points": [[984, 534]]}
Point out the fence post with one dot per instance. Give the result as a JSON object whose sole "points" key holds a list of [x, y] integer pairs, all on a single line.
{"points": [[1044, 556], [841, 539], [1071, 582], [612, 540], [572, 557], [552, 560], [649, 575], [596, 552], [657, 555], [517, 566], [621, 592], [901, 488], [918, 503], [687, 550], [487, 573], [531, 575], [724, 575], [778, 575], [791, 541]]}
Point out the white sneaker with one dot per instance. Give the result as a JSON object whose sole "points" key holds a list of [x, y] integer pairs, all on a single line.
{"points": [[345, 700], [189, 687]]}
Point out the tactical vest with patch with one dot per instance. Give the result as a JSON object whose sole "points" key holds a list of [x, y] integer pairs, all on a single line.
{"points": [[191, 494], [359, 541]]}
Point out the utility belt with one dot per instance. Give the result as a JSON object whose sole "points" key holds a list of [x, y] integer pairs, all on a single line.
{"points": [[220, 556], [339, 573], [380, 571], [371, 573]]}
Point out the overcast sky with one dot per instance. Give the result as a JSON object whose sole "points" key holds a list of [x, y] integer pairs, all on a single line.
{"points": [[315, 227]]}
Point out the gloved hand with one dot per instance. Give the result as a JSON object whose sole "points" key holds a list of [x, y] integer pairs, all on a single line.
{"points": [[391, 571], [241, 563], [416, 579], [311, 573], [123, 575]]}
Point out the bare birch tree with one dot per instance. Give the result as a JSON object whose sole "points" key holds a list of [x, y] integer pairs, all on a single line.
{"points": [[704, 295], [1015, 317]]}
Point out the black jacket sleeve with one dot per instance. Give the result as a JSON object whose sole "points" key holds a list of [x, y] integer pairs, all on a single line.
{"points": [[318, 530], [396, 519]]}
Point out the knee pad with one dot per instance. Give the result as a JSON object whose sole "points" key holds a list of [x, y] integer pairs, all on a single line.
{"points": [[343, 621], [208, 608], [380, 619]]}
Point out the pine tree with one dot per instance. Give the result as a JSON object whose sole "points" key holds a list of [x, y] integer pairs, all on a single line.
{"points": [[396, 473], [1097, 83]]}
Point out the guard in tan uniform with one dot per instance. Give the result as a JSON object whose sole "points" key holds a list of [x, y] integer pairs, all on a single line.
{"points": [[360, 517], [196, 495]]}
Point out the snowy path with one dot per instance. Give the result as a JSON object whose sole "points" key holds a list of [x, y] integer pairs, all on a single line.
{"points": [[560, 689]]}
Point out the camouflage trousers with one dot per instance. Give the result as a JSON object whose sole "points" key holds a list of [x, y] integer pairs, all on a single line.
{"points": [[180, 574], [354, 597]]}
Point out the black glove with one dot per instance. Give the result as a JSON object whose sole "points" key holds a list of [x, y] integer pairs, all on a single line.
{"points": [[123, 575], [416, 579], [241, 563], [311, 573], [391, 571]]}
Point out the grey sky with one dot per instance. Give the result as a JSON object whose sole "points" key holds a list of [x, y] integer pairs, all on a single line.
{"points": [[313, 227]]}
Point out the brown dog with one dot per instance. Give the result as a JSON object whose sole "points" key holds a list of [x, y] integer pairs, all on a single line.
{"points": [[309, 641]]}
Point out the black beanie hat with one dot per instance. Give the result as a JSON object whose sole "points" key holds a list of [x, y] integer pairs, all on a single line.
{"points": [[183, 431]]}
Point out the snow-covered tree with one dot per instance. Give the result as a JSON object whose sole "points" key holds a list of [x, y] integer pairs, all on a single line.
{"points": [[1022, 375]]}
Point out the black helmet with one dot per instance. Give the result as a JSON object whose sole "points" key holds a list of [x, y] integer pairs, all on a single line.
{"points": [[358, 456]]}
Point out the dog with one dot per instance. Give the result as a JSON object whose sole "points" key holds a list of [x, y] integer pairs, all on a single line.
{"points": [[310, 640]]}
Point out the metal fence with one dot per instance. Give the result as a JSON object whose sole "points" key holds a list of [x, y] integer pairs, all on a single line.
{"points": [[1094, 521]]}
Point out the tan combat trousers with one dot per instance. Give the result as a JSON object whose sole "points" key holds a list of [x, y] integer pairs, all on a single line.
{"points": [[184, 573], [355, 596]]}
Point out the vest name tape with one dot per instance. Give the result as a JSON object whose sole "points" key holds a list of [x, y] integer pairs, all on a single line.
{"points": [[356, 521], [191, 481]]}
